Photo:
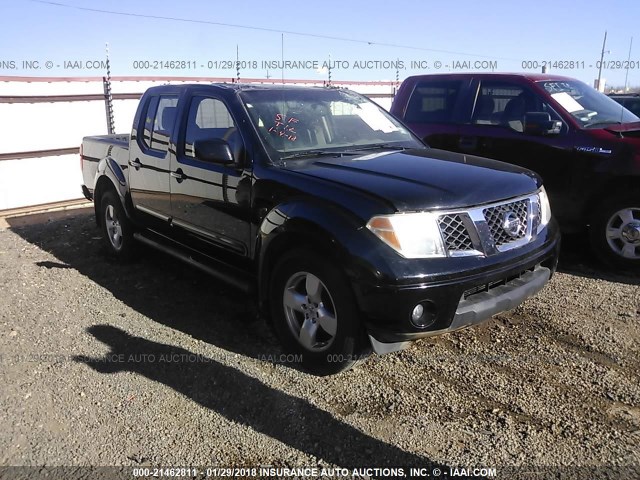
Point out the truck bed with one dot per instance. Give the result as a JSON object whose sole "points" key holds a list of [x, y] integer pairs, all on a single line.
{"points": [[119, 139]]}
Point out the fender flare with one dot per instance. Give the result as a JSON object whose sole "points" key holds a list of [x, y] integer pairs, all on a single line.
{"points": [[326, 227], [109, 174]]}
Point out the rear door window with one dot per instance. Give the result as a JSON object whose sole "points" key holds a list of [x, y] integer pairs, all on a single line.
{"points": [[150, 116], [160, 117], [164, 120], [433, 102]]}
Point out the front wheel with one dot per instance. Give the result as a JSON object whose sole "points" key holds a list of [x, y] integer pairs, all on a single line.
{"points": [[314, 313], [615, 231], [116, 228]]}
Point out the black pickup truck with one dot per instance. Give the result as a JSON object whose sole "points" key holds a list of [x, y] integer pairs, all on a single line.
{"points": [[349, 232]]}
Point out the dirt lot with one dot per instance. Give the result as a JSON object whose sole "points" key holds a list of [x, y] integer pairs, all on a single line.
{"points": [[154, 363]]}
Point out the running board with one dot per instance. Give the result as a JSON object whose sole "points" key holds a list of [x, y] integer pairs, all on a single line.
{"points": [[226, 273]]}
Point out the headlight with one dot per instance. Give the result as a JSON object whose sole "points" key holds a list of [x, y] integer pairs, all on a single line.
{"points": [[545, 209], [412, 235]]}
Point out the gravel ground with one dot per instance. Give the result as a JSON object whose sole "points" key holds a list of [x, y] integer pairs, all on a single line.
{"points": [[153, 363]]}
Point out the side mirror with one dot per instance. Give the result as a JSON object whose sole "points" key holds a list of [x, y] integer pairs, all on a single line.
{"points": [[540, 123], [215, 151]]}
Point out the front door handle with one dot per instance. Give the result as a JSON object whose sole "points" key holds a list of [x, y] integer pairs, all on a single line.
{"points": [[135, 163], [179, 175]]}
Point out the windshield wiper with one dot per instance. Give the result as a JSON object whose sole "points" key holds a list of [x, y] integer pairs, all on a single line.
{"points": [[603, 122], [315, 153], [341, 153], [380, 146]]}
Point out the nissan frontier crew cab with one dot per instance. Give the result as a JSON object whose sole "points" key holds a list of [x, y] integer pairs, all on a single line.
{"points": [[349, 232], [585, 146]]}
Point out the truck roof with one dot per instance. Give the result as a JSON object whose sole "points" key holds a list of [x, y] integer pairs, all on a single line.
{"points": [[535, 77], [234, 87]]}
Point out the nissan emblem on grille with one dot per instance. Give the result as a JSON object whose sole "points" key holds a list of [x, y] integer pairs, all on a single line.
{"points": [[508, 222], [512, 224]]}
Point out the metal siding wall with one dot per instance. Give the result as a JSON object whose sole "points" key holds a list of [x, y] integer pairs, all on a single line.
{"points": [[43, 126]]}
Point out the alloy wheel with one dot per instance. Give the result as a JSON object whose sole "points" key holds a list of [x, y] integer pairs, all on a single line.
{"points": [[623, 233], [114, 229], [310, 311]]}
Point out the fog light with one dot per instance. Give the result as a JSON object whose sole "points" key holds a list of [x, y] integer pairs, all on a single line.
{"points": [[423, 314], [418, 310]]}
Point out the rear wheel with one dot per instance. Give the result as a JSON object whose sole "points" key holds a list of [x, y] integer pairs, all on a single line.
{"points": [[615, 231], [314, 313], [116, 228]]}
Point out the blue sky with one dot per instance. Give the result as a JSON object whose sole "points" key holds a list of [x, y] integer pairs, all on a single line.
{"points": [[506, 32]]}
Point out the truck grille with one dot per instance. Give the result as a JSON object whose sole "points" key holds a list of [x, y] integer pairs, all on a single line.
{"points": [[490, 229], [495, 218], [454, 233]]}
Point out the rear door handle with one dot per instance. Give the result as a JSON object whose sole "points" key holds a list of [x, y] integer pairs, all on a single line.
{"points": [[135, 163]]}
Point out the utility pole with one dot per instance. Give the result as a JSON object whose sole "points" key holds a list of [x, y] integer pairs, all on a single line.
{"points": [[604, 43], [237, 64], [626, 75], [108, 97]]}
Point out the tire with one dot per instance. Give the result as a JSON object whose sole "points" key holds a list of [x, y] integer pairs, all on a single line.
{"points": [[117, 230], [314, 314], [615, 232]]}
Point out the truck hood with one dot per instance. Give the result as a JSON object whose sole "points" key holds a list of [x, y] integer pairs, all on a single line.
{"points": [[424, 179]]}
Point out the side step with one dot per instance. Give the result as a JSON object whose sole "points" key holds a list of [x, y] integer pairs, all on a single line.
{"points": [[221, 271]]}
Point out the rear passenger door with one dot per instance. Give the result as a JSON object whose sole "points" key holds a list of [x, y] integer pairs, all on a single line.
{"points": [[211, 201], [433, 111], [149, 157]]}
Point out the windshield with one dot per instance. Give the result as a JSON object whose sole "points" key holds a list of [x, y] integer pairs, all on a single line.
{"points": [[294, 122], [591, 108]]}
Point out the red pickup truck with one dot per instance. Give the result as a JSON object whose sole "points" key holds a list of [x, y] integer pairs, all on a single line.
{"points": [[585, 146]]}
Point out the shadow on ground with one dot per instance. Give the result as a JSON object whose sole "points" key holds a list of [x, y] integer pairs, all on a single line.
{"points": [[159, 287], [243, 399], [180, 297], [576, 258]]}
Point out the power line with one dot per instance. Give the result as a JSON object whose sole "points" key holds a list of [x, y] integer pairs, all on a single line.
{"points": [[262, 29]]}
